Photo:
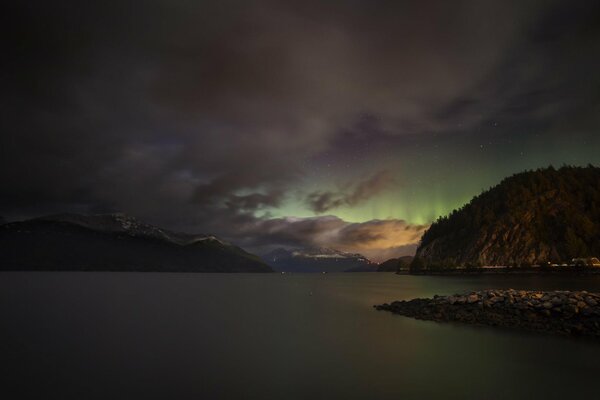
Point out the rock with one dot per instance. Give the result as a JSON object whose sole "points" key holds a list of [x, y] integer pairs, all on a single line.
{"points": [[591, 302], [570, 308], [587, 311], [473, 298], [560, 313], [556, 301]]}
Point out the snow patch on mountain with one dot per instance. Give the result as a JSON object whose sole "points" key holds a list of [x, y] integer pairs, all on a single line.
{"points": [[126, 224]]}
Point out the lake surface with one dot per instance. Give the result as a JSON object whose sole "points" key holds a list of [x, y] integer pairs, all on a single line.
{"points": [[271, 336]]}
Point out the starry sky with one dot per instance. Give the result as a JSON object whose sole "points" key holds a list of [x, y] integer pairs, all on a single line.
{"points": [[350, 124]]}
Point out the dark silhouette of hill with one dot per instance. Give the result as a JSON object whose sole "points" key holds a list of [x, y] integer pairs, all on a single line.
{"points": [[115, 242], [395, 264], [533, 217]]}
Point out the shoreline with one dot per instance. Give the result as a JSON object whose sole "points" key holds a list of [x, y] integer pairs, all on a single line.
{"points": [[567, 313], [505, 271]]}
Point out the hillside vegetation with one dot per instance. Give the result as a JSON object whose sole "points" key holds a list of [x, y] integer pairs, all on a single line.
{"points": [[533, 217]]}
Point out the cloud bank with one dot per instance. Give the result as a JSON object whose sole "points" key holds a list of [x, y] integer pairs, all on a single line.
{"points": [[211, 116], [377, 239], [321, 202]]}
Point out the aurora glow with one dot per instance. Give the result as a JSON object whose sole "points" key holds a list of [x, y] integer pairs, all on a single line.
{"points": [[270, 123]]}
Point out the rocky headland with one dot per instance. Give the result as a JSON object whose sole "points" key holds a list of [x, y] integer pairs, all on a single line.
{"points": [[531, 218], [559, 312]]}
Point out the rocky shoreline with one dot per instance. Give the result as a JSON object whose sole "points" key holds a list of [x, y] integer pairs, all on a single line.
{"points": [[573, 313]]}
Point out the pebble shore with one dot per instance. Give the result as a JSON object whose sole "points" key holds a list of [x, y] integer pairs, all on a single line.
{"points": [[559, 312]]}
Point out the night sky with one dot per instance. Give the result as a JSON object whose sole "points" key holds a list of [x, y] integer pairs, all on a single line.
{"points": [[349, 124]]}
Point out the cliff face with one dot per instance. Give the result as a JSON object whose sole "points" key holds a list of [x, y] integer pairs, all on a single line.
{"points": [[529, 218]]}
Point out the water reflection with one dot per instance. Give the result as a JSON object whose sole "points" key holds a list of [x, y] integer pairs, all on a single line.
{"points": [[121, 335]]}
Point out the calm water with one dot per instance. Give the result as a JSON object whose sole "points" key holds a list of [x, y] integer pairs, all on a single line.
{"points": [[212, 336]]}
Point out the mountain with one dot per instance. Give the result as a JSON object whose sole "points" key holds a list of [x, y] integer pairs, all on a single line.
{"points": [[317, 260], [533, 217], [395, 264], [115, 242]]}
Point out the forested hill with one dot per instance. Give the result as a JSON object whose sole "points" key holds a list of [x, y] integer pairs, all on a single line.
{"points": [[529, 218]]}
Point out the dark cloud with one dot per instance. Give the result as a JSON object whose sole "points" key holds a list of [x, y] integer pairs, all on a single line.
{"points": [[321, 202], [378, 239], [255, 201], [202, 115]]}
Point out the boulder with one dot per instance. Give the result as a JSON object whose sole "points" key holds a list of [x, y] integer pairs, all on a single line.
{"points": [[472, 298], [591, 302]]}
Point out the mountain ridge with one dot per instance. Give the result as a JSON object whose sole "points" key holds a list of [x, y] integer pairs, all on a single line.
{"points": [[115, 242], [317, 259]]}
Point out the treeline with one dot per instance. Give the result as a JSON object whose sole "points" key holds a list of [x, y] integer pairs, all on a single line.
{"points": [[546, 215]]}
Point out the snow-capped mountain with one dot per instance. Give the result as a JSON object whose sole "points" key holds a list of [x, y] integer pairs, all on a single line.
{"points": [[320, 259], [126, 224], [115, 242]]}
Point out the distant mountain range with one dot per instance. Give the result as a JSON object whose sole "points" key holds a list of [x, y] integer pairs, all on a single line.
{"points": [[115, 242], [395, 264], [533, 217], [319, 259]]}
